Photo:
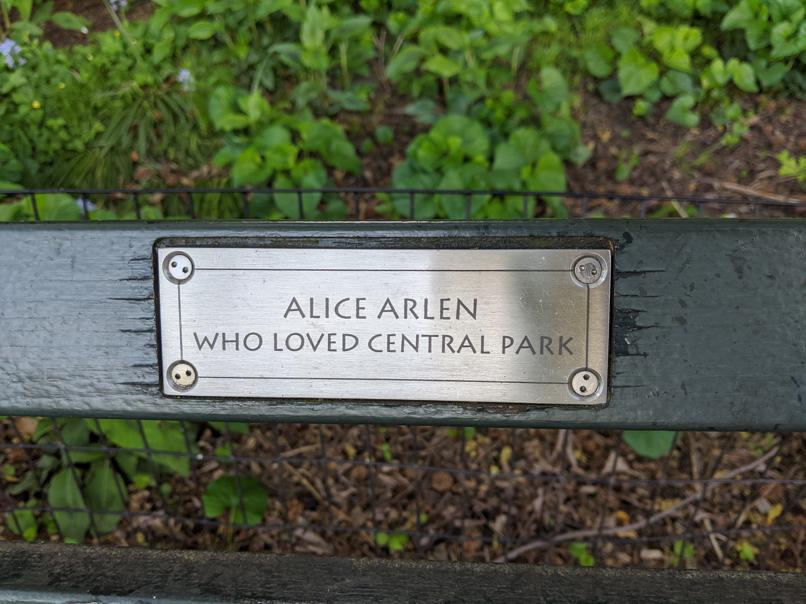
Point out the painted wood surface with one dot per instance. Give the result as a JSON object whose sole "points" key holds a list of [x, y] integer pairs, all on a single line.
{"points": [[59, 573], [708, 331]]}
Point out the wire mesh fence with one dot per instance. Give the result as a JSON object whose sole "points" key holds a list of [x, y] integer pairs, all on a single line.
{"points": [[715, 500], [363, 203]]}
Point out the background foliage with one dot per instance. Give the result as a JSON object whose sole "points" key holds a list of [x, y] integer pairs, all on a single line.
{"points": [[280, 92]]}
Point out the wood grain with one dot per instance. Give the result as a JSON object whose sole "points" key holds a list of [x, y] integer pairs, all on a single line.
{"points": [[59, 573]]}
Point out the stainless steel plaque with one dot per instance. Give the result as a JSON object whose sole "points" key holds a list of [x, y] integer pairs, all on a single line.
{"points": [[499, 326]]}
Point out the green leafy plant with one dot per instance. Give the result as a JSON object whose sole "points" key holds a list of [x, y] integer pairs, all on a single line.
{"points": [[581, 553], [395, 541], [87, 485], [792, 167], [266, 145], [682, 552], [746, 550], [653, 444], [242, 500], [457, 154]]}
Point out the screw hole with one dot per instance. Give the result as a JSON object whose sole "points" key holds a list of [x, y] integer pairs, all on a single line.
{"points": [[586, 377], [583, 389], [177, 376], [185, 270], [173, 264], [187, 373]]}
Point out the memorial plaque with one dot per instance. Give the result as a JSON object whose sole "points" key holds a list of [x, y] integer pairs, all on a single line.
{"points": [[527, 326]]}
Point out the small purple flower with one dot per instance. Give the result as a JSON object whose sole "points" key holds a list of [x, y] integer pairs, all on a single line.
{"points": [[83, 202], [118, 5], [10, 51], [185, 78]]}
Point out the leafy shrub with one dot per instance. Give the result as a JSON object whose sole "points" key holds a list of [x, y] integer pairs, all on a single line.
{"points": [[321, 48], [266, 145], [242, 500], [457, 154], [85, 484]]}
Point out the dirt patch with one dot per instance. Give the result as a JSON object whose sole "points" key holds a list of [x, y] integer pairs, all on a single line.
{"points": [[97, 13], [672, 160], [717, 501]]}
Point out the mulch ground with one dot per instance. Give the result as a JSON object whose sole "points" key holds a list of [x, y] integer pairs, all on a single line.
{"points": [[488, 494]]}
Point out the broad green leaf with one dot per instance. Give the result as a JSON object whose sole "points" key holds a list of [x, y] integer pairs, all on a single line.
{"points": [[636, 72], [312, 34], [715, 75], [553, 90], [65, 494], [123, 433], [525, 145], [68, 20], [227, 155], [549, 175], [472, 135], [232, 427], [23, 522], [168, 436], [408, 176], [742, 75], [160, 435], [404, 62], [188, 8], [58, 206], [310, 174], [24, 7], [352, 26], [341, 154], [220, 104], [287, 202], [680, 111], [651, 444], [563, 133], [243, 499], [249, 169], [281, 157], [255, 106], [202, 30], [105, 491], [599, 59], [442, 66], [769, 76], [624, 38], [454, 206], [440, 35], [741, 16], [787, 40], [674, 83], [508, 157]]}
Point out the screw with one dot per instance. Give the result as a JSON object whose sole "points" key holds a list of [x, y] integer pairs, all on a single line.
{"points": [[584, 382], [589, 270], [182, 375], [178, 267]]}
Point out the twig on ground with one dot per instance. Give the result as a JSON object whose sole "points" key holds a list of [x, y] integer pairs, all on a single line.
{"points": [[635, 526], [737, 188]]}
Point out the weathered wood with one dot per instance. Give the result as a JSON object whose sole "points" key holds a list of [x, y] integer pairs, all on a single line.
{"points": [[148, 575], [708, 327]]}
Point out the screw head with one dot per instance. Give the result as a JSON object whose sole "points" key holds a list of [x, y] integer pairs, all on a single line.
{"points": [[178, 267], [589, 270], [182, 375], [584, 382]]}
